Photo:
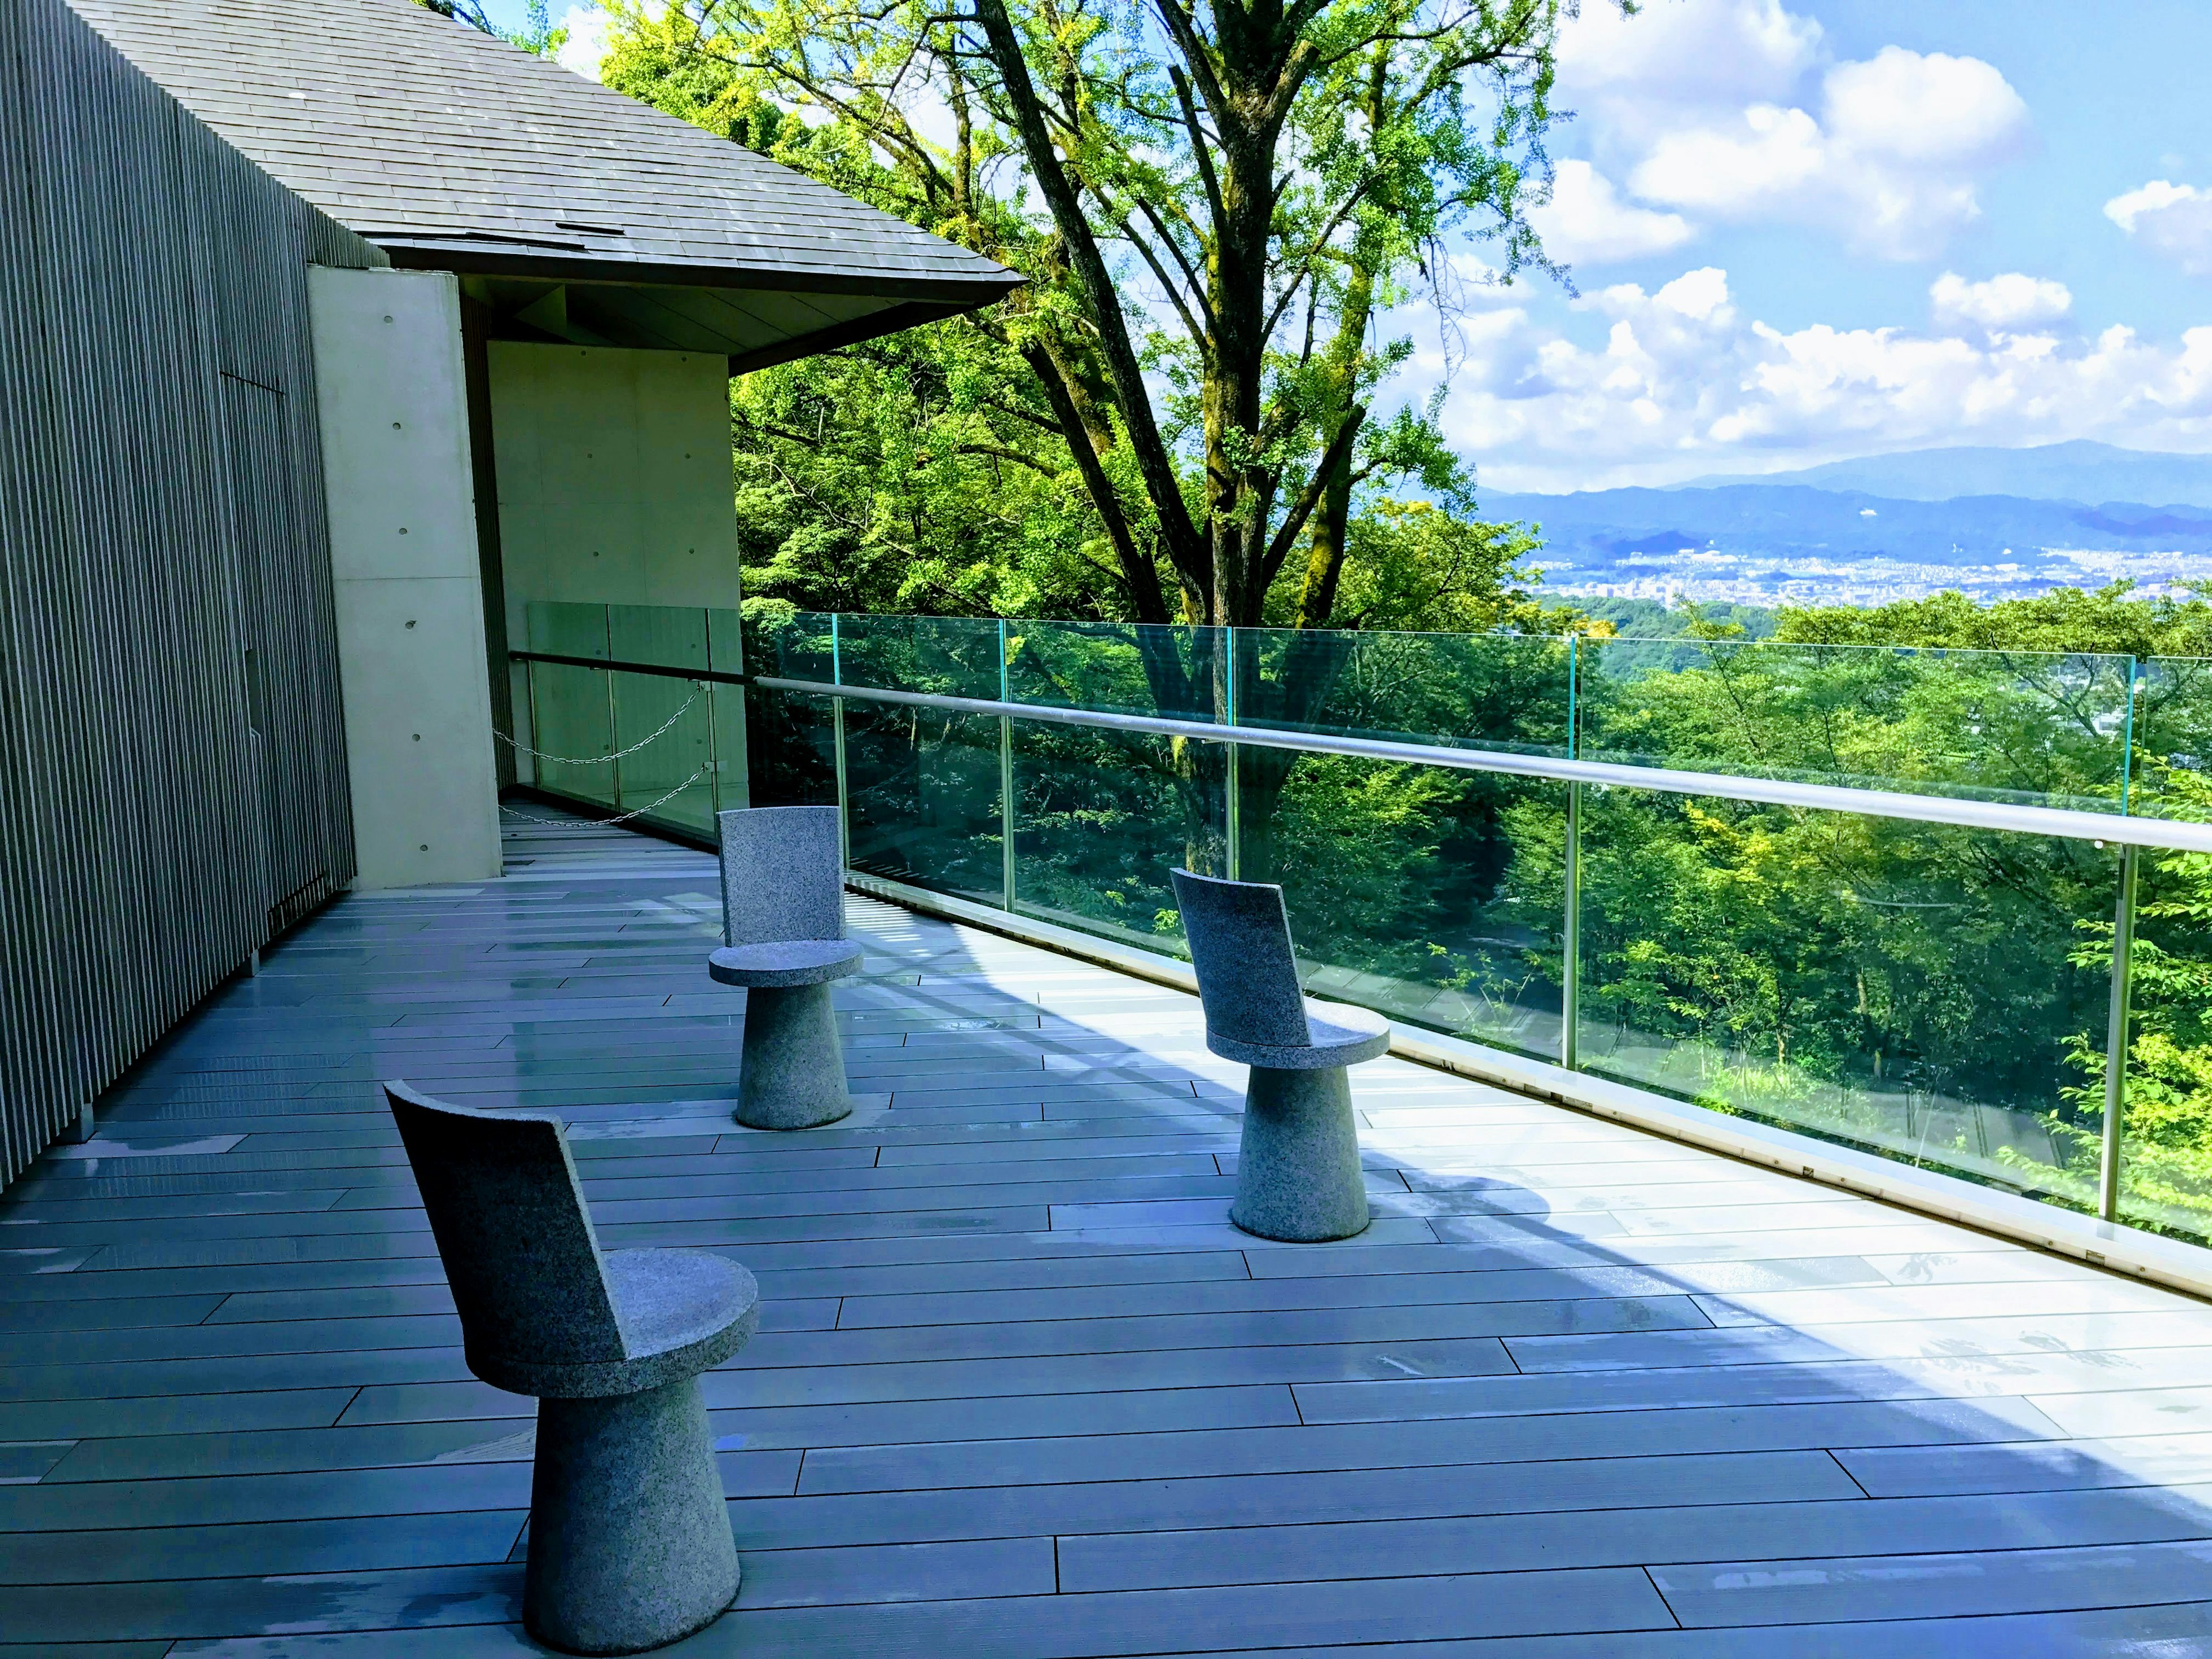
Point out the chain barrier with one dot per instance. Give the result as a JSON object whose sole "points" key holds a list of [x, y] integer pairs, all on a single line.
{"points": [[565, 760], [593, 824]]}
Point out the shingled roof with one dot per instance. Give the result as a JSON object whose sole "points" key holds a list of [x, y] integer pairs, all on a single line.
{"points": [[453, 150]]}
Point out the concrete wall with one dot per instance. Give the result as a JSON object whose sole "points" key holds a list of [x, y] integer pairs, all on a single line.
{"points": [[614, 486], [614, 476], [389, 375]]}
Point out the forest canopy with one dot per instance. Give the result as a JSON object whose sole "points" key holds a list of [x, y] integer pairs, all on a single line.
{"points": [[1187, 414], [1184, 414]]}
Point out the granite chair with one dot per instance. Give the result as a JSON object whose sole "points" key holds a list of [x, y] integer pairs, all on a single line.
{"points": [[630, 1538], [1297, 1165], [783, 915]]}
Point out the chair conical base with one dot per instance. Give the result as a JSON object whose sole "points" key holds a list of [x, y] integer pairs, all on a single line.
{"points": [[1297, 1165], [629, 1537], [793, 1068]]}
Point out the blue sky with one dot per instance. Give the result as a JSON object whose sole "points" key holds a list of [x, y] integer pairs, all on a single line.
{"points": [[2113, 97], [1804, 229]]}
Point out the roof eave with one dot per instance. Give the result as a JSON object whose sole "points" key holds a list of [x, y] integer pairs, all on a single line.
{"points": [[947, 295]]}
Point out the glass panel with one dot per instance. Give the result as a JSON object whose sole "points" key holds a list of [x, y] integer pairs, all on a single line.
{"points": [[1432, 895], [726, 708], [567, 630], [2021, 726], [2172, 734], [1102, 818], [786, 644], [670, 777], [1917, 990], [667, 636], [945, 656], [725, 641], [2166, 1151], [1127, 668], [791, 754], [1470, 690], [922, 797], [572, 729]]}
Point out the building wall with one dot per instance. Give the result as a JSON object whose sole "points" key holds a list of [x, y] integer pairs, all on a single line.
{"points": [[614, 476], [173, 780], [614, 489], [391, 388]]}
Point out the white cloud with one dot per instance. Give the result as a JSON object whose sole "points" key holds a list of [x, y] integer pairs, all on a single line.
{"points": [[1737, 169], [1731, 111], [1936, 111], [586, 45], [1699, 52], [2010, 302], [2172, 220], [1891, 164], [1684, 383], [1587, 223]]}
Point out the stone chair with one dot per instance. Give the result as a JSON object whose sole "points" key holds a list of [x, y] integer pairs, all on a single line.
{"points": [[1297, 1165], [630, 1538], [783, 915]]}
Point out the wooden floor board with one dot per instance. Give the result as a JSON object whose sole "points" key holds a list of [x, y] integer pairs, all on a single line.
{"points": [[1020, 1389]]}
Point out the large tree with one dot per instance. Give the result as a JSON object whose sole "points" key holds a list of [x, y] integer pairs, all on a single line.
{"points": [[1216, 208]]}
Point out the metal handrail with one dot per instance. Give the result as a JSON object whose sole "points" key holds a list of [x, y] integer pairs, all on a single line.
{"points": [[2166, 835]]}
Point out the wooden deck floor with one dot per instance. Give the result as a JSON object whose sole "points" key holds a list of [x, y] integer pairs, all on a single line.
{"points": [[1020, 1390]]}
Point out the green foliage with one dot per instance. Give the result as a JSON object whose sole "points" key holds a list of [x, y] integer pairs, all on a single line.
{"points": [[1650, 619], [1414, 565], [2066, 619], [910, 475], [1400, 121]]}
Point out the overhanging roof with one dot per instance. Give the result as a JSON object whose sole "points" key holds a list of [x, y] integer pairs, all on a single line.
{"points": [[455, 151]]}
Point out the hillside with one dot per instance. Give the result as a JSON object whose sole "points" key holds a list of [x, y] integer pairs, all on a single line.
{"points": [[2076, 472]]}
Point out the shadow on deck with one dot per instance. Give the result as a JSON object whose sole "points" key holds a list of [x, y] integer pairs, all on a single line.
{"points": [[1020, 1389]]}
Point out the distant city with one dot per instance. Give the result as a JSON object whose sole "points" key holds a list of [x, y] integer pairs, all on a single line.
{"points": [[1992, 524]]}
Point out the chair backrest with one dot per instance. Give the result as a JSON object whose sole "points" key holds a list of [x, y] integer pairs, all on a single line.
{"points": [[783, 875], [1240, 945], [511, 1229]]}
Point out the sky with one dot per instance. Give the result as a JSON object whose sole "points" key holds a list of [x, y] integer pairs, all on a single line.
{"points": [[1801, 231]]}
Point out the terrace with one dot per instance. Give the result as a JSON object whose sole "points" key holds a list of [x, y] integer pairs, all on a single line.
{"points": [[1021, 1390]]}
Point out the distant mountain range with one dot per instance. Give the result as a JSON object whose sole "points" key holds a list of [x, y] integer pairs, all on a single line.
{"points": [[1993, 522], [2077, 471]]}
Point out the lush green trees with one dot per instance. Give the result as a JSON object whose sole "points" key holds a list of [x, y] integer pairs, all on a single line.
{"points": [[1176, 421], [1212, 208]]}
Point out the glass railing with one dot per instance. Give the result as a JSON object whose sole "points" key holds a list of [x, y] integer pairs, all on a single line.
{"points": [[1933, 990]]}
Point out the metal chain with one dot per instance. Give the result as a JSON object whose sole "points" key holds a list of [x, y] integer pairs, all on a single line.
{"points": [[564, 760], [600, 823]]}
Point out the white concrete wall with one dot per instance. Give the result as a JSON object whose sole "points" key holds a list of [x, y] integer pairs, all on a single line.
{"points": [[390, 388], [614, 486], [614, 476]]}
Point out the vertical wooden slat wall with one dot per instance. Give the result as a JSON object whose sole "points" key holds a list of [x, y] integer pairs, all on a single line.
{"points": [[172, 783]]}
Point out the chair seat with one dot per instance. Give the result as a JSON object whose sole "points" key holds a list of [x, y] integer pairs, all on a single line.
{"points": [[1342, 1035], [681, 1312], [787, 962]]}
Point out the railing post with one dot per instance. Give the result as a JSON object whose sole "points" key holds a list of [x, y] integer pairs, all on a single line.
{"points": [[837, 744], [1006, 782], [614, 743], [1571, 928], [1570, 935], [530, 695], [2115, 1040], [714, 753], [1232, 855]]}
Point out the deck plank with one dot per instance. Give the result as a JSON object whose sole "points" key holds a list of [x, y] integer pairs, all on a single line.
{"points": [[1021, 1391]]}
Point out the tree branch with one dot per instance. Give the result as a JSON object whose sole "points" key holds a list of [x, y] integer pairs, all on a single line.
{"points": [[1278, 550], [1137, 574], [1178, 535]]}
